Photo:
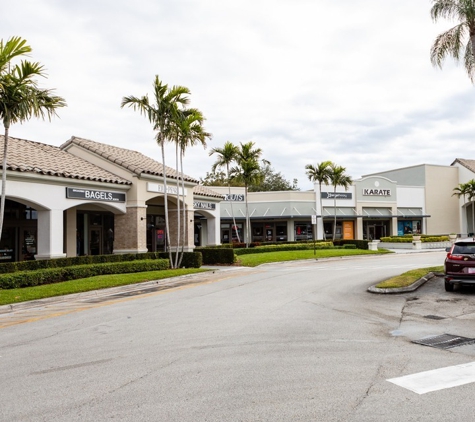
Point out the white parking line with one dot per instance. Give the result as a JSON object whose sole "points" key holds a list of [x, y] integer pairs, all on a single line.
{"points": [[437, 379]]}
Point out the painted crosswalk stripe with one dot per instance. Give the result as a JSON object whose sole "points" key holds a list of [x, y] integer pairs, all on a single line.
{"points": [[437, 379]]}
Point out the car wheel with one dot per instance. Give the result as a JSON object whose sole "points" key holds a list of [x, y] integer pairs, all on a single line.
{"points": [[449, 287]]}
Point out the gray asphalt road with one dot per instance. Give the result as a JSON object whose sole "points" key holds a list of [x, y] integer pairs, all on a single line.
{"points": [[299, 341]]}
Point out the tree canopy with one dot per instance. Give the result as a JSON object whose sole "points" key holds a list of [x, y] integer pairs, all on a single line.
{"points": [[459, 41]]}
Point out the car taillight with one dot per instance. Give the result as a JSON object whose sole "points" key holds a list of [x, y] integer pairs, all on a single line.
{"points": [[454, 257]]}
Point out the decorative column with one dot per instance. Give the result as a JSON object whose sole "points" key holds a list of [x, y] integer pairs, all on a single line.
{"points": [[50, 235], [71, 233]]}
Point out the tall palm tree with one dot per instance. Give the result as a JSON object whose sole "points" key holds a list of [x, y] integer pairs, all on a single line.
{"points": [[321, 174], [21, 98], [226, 156], [190, 132], [467, 191], [338, 177], [248, 171], [162, 115], [459, 40]]}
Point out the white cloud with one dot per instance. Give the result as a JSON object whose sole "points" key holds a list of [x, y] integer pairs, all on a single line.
{"points": [[349, 81]]}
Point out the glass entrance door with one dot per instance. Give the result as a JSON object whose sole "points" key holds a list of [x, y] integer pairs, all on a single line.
{"points": [[95, 241]]}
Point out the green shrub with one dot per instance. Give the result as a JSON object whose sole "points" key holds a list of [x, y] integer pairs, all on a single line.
{"points": [[217, 255], [359, 244], [284, 247], [408, 238], [189, 261], [349, 246], [55, 275]]}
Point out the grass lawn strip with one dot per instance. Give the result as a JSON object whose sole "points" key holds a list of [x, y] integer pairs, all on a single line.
{"points": [[24, 294], [254, 260], [408, 278]]}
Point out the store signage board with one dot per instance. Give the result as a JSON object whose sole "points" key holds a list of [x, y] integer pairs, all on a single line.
{"points": [[234, 197], [158, 188], [376, 192], [204, 205], [336, 195], [94, 195]]}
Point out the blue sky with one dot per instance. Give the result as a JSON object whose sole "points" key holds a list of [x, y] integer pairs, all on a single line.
{"points": [[348, 81]]}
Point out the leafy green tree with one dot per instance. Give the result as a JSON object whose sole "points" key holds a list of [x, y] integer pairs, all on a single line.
{"points": [[272, 181], [458, 41], [225, 157], [161, 115], [219, 178], [319, 173], [338, 177], [20, 97], [248, 171]]}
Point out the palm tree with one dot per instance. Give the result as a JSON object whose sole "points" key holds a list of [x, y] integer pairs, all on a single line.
{"points": [[338, 178], [321, 174], [248, 172], [21, 98], [226, 156], [459, 40], [190, 132], [14, 47], [467, 190], [162, 114]]}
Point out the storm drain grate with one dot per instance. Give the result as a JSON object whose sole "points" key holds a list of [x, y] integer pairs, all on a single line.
{"points": [[433, 317], [444, 341]]}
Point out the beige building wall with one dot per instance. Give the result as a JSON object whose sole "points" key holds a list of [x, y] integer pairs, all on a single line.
{"points": [[442, 207]]}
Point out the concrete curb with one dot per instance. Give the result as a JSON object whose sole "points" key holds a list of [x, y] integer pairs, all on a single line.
{"points": [[414, 286]]}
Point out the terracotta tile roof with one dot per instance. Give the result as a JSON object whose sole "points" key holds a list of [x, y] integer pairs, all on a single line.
{"points": [[35, 157], [205, 191], [469, 164], [133, 161]]}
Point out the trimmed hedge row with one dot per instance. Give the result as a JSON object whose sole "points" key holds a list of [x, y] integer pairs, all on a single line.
{"points": [[55, 275], [190, 260], [360, 244], [409, 239], [284, 247], [214, 255]]}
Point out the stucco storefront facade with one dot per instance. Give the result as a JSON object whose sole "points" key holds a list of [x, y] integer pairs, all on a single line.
{"points": [[86, 197]]}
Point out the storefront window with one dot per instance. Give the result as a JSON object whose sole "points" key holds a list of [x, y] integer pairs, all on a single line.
{"points": [[303, 231], [328, 229], [409, 227], [281, 233], [29, 244]]}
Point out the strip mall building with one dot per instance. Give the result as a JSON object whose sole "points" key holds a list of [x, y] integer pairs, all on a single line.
{"points": [[86, 197]]}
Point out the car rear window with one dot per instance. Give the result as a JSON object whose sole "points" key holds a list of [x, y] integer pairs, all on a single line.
{"points": [[461, 248]]}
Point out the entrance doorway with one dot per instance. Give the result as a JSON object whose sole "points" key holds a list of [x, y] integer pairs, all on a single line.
{"points": [[95, 241], [376, 230]]}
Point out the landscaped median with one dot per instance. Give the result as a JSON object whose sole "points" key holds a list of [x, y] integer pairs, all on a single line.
{"points": [[408, 281]]}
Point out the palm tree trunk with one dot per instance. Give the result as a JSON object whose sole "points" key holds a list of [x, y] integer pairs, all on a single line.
{"points": [[473, 217], [184, 231], [334, 213], [321, 210], [232, 210], [248, 228], [178, 207], [165, 198], [4, 179]]}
